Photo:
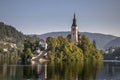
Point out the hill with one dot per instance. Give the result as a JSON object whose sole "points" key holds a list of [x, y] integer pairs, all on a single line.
{"points": [[101, 39], [9, 33], [113, 43]]}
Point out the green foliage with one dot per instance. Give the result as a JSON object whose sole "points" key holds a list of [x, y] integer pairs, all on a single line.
{"points": [[72, 52], [27, 44], [63, 49], [28, 51], [29, 47], [52, 43], [85, 45], [89, 50]]}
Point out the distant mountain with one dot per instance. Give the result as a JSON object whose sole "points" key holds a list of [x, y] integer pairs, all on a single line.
{"points": [[113, 43], [101, 39], [9, 33]]}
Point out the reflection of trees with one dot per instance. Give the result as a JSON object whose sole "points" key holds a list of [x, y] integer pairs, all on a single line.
{"points": [[35, 71], [27, 71], [21, 72], [64, 71], [90, 70], [4, 70], [73, 70], [110, 71], [54, 71], [7, 72]]}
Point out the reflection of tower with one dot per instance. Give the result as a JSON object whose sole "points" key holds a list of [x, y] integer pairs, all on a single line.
{"points": [[40, 70], [45, 71], [74, 31]]}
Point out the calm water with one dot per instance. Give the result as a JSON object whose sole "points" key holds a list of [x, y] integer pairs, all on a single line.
{"points": [[61, 71]]}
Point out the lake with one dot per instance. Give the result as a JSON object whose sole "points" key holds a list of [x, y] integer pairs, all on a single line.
{"points": [[61, 71]]}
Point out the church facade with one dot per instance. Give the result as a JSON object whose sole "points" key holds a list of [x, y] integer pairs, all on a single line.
{"points": [[74, 36]]}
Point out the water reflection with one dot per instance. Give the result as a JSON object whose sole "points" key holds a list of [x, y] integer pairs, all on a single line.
{"points": [[7, 72], [61, 71], [73, 71], [110, 71], [36, 70]]}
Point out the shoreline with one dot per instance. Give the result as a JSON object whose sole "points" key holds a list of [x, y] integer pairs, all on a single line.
{"points": [[111, 60]]}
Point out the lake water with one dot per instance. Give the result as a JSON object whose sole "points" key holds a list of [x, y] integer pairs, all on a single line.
{"points": [[61, 71]]}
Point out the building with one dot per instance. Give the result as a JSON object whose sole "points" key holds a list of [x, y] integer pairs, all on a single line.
{"points": [[43, 44], [74, 31], [74, 36]]}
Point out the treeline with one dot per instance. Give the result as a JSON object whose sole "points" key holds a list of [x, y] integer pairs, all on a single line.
{"points": [[62, 49]]}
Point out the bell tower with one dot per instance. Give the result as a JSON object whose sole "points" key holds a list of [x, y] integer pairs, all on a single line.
{"points": [[74, 31]]}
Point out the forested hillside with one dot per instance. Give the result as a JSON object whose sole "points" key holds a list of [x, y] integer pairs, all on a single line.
{"points": [[9, 33]]}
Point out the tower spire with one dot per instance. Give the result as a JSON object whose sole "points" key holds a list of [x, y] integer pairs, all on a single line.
{"points": [[74, 16], [74, 21]]}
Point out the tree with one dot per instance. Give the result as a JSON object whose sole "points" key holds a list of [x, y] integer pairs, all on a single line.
{"points": [[85, 45], [94, 43], [52, 43], [89, 50], [28, 53], [63, 49]]}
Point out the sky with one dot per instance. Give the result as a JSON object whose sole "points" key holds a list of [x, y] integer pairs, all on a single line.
{"points": [[43, 16]]}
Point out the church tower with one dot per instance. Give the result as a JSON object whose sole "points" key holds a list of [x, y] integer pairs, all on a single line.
{"points": [[74, 31]]}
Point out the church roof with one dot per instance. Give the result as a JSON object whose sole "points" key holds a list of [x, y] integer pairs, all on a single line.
{"points": [[74, 21]]}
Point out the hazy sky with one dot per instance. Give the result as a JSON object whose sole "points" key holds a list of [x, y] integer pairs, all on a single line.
{"points": [[42, 16]]}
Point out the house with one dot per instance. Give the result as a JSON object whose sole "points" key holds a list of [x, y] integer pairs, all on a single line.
{"points": [[43, 44], [5, 50]]}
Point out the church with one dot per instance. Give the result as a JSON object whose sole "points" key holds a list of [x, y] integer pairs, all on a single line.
{"points": [[74, 36]]}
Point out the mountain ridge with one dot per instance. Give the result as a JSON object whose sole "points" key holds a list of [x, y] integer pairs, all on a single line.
{"points": [[113, 43], [101, 39]]}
